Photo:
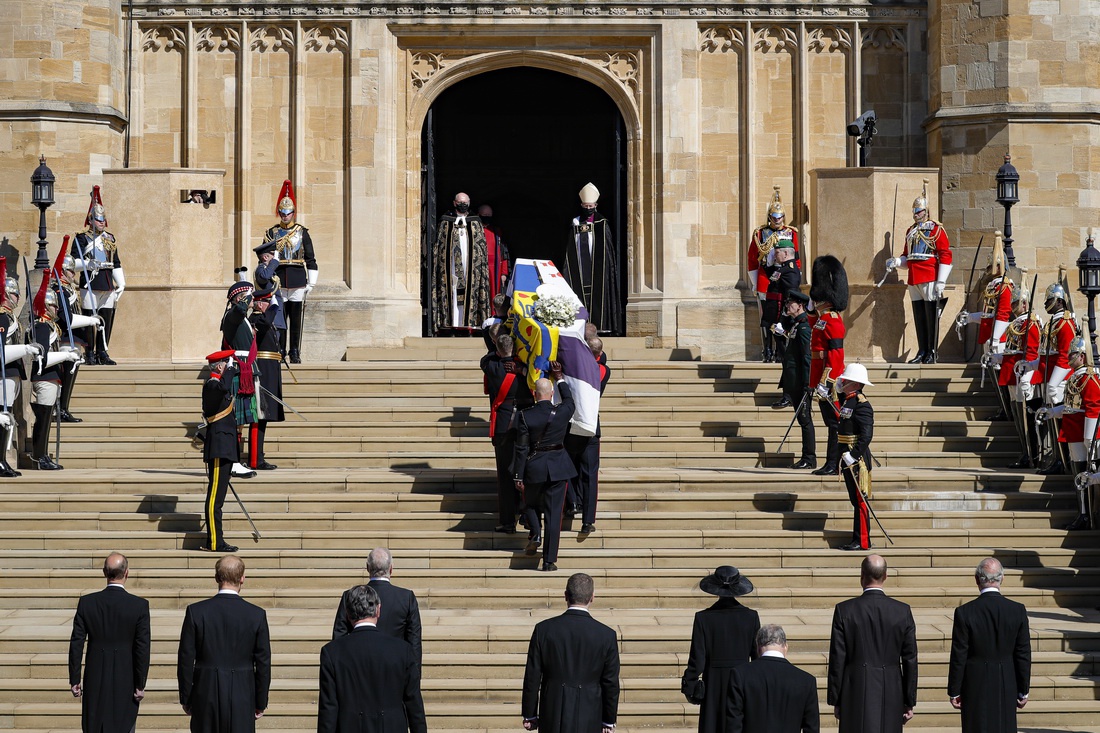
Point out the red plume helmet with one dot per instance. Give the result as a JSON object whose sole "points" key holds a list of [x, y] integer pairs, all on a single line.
{"points": [[40, 296], [97, 200], [286, 192], [59, 261]]}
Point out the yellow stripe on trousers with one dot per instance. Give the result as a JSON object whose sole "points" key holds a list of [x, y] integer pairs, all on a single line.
{"points": [[211, 526]]}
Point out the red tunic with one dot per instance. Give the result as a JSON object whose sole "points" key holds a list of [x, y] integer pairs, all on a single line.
{"points": [[498, 259], [1082, 401], [996, 306], [756, 263], [826, 346], [1060, 331], [930, 248], [1020, 343]]}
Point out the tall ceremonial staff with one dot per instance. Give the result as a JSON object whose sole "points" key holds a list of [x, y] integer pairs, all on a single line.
{"points": [[959, 322], [63, 303], [1023, 358]]}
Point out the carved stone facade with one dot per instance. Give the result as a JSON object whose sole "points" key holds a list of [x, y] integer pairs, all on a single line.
{"points": [[720, 101]]}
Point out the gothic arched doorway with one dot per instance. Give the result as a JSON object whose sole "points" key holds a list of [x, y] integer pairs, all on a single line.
{"points": [[525, 140]]}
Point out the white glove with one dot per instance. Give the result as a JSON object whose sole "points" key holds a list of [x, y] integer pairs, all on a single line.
{"points": [[893, 263], [1043, 413], [79, 320], [120, 282], [752, 281], [312, 279], [777, 329], [847, 458], [822, 392], [937, 290], [974, 318]]}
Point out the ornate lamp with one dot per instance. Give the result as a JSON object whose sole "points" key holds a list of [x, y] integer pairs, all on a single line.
{"points": [[1088, 271], [1008, 193], [42, 181]]}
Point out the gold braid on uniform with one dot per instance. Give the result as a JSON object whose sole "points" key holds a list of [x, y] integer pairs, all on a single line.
{"points": [[1015, 338], [768, 243]]}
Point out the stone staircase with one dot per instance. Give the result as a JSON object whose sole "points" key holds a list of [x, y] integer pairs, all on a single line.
{"points": [[393, 451]]}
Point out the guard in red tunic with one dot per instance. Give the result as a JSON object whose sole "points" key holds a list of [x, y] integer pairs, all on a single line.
{"points": [[829, 293], [1052, 368], [1021, 348], [761, 256], [1079, 413], [497, 251], [927, 255]]}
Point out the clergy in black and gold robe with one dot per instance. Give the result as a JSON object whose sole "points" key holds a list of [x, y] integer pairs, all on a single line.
{"points": [[591, 269], [460, 274]]}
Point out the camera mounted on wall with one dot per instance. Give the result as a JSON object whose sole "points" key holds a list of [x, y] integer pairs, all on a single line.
{"points": [[863, 127]]}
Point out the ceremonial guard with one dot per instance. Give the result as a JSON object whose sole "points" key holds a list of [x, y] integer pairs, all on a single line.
{"points": [[1021, 349], [795, 379], [267, 272], [508, 394], [927, 255], [102, 279], [829, 293], [993, 319], [784, 277], [239, 335], [72, 321], [15, 372], [1053, 368], [221, 448], [269, 368], [762, 255], [297, 268], [460, 272], [46, 373], [857, 427], [1079, 414], [591, 265]]}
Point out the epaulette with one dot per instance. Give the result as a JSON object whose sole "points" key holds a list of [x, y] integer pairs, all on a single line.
{"points": [[860, 397]]}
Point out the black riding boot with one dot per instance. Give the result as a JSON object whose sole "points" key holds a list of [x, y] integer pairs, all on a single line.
{"points": [[40, 438], [294, 312], [920, 321], [68, 378], [108, 316], [932, 323]]}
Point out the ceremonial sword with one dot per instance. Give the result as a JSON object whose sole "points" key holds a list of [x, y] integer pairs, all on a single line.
{"points": [[255, 531], [267, 392], [893, 232], [805, 393], [867, 502]]}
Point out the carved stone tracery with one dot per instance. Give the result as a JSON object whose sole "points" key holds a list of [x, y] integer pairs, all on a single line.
{"points": [[721, 38], [164, 38]]}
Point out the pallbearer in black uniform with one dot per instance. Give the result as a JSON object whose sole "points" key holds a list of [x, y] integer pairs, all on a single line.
{"points": [[584, 450], [239, 335], [221, 448], [15, 370], [591, 266], [270, 369], [297, 268], [506, 386], [461, 295], [795, 380], [542, 466], [102, 280], [46, 373], [856, 428]]}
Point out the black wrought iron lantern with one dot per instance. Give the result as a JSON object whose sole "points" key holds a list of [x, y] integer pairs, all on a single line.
{"points": [[42, 181]]}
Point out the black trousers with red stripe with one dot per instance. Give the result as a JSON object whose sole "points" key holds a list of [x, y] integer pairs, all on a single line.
{"points": [[218, 473], [257, 431], [861, 528]]}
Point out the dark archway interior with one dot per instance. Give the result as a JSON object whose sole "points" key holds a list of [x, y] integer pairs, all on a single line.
{"points": [[525, 141]]}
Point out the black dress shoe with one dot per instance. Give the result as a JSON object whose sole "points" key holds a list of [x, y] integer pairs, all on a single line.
{"points": [[223, 547], [829, 469], [805, 463], [532, 545], [918, 359], [67, 416], [45, 463], [588, 528], [505, 528], [1055, 469], [1024, 462], [781, 404], [570, 510], [265, 466], [852, 547], [295, 357], [548, 567], [1000, 417], [105, 359], [7, 471], [1082, 522], [930, 358]]}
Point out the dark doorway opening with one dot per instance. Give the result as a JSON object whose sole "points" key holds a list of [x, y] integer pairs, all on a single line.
{"points": [[525, 141]]}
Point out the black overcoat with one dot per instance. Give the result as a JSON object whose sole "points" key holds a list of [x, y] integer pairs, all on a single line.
{"points": [[545, 425], [722, 639], [400, 614], [771, 695]]}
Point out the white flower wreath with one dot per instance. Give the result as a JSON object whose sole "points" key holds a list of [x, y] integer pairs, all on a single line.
{"points": [[557, 310]]}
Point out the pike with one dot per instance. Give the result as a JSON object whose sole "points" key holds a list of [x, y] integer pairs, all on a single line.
{"points": [[893, 233], [248, 516], [267, 392], [867, 502], [970, 291], [1023, 346]]}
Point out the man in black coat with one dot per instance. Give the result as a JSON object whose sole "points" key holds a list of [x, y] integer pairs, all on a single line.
{"points": [[872, 658], [370, 681], [401, 613], [784, 278], [116, 625], [584, 450], [224, 664], [270, 370], [722, 639], [771, 695], [855, 429], [989, 675], [571, 683], [542, 466], [795, 379], [508, 394], [220, 447]]}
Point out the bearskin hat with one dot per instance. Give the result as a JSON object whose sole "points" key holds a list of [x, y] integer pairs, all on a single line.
{"points": [[829, 282]]}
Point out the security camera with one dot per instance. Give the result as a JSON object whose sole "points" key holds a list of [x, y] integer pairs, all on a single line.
{"points": [[859, 125]]}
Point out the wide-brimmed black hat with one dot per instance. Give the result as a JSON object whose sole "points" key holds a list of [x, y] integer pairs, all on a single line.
{"points": [[726, 581]]}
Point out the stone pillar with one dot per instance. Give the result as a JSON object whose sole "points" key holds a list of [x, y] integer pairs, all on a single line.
{"points": [[177, 271], [873, 208]]}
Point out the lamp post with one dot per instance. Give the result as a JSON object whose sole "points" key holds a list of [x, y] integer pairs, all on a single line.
{"points": [[42, 181], [1088, 271], [1008, 190]]}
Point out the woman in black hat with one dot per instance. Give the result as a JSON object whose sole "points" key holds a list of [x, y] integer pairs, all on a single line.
{"points": [[724, 637]]}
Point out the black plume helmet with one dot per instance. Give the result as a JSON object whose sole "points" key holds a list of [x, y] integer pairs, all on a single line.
{"points": [[829, 282]]}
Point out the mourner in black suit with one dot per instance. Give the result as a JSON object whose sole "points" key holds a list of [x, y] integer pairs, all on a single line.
{"points": [[506, 386], [990, 671], [795, 379], [542, 466], [370, 681], [771, 695], [571, 683], [220, 447], [872, 658], [722, 639], [400, 611], [116, 626], [224, 663]]}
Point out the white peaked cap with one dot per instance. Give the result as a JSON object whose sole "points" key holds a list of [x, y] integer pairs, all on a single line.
{"points": [[856, 373], [589, 194]]}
